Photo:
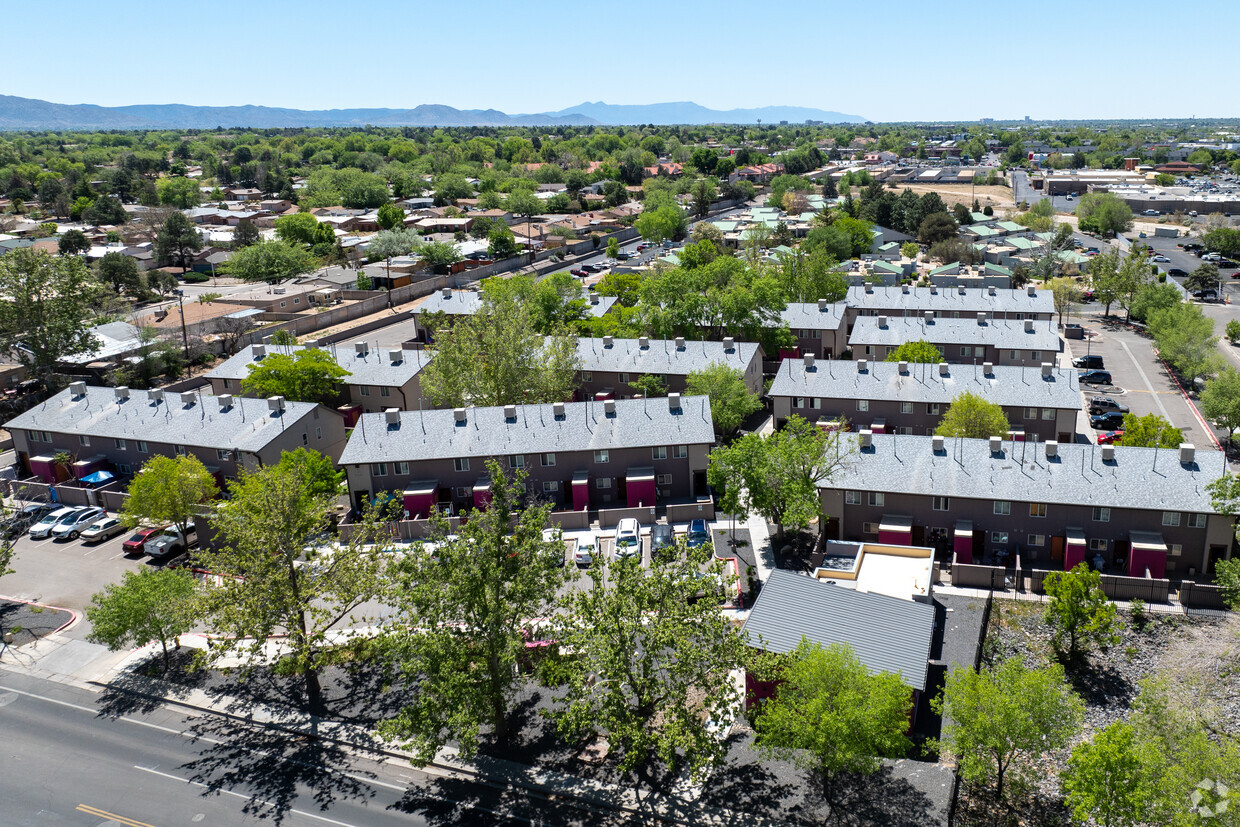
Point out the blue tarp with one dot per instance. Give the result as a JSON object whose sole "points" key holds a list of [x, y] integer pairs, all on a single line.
{"points": [[98, 477]]}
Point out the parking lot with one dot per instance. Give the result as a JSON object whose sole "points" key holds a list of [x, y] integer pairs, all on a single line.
{"points": [[1140, 380]]}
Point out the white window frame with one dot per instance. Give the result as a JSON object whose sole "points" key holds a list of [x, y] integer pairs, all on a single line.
{"points": [[906, 407], [516, 461], [852, 498], [547, 460], [363, 390], [1171, 519], [1002, 508], [680, 451], [876, 499], [933, 409], [402, 468], [602, 456], [999, 538], [863, 404], [663, 479], [1035, 508], [460, 464], [1037, 540], [869, 528], [1101, 514], [603, 483], [120, 445], [1196, 520], [84, 440], [939, 500], [1048, 414], [1099, 544], [378, 469], [551, 486], [385, 391], [143, 448], [659, 452]]}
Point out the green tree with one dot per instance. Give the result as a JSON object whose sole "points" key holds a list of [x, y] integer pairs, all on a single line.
{"points": [[105, 210], [497, 357], [992, 717], [730, 398], [121, 273], [1227, 577], [962, 215], [649, 385], [831, 715], [1079, 613], [663, 224], [1186, 340], [245, 234], [650, 666], [1150, 298], [72, 242], [270, 261], [501, 243], [613, 253], [1223, 240], [298, 228], [780, 473], [307, 375], [439, 255], [270, 586], [170, 490], [1233, 331], [1107, 781], [916, 351], [1066, 293], [1104, 278], [1204, 277], [1150, 431], [390, 217], [152, 604], [45, 316], [1220, 401], [178, 192], [935, 227], [463, 619], [704, 194], [972, 417], [910, 249], [1103, 213], [177, 241]]}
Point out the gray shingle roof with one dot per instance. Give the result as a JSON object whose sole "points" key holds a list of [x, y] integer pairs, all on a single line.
{"points": [[248, 425], [1021, 473], [887, 634], [424, 435], [467, 302], [948, 300], [1010, 386], [807, 316], [1004, 334], [661, 356], [375, 368]]}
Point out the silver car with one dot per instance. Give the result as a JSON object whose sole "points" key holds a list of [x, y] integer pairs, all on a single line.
{"points": [[43, 528], [72, 526]]}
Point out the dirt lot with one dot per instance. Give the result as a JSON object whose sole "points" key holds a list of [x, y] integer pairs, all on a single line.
{"points": [[964, 194]]}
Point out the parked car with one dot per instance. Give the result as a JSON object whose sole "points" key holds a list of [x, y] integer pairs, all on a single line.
{"points": [[71, 527], [1110, 437], [1161, 259], [136, 544], [1111, 421], [43, 528], [585, 549], [628, 541], [1150, 212], [104, 529], [1105, 404], [1094, 377], [643, 246], [168, 543], [662, 543], [555, 540], [26, 516], [579, 271], [699, 535], [1177, 273], [1088, 361], [1205, 295]]}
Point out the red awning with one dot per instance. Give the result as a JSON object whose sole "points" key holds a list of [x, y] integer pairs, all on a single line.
{"points": [[581, 490], [895, 530], [639, 487], [962, 541], [1148, 551], [1075, 548], [482, 493], [878, 426], [420, 499]]}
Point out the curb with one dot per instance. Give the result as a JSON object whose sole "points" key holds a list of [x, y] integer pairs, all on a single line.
{"points": [[1191, 404], [73, 616]]}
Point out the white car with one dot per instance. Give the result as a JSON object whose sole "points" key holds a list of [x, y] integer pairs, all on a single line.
{"points": [[101, 530], [70, 527], [554, 540], [43, 528], [628, 539], [585, 549]]}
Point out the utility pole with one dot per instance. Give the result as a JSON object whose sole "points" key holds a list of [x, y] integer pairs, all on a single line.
{"points": [[184, 334]]}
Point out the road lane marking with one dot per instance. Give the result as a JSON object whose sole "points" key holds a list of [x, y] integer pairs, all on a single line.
{"points": [[95, 811], [1146, 379], [95, 713], [241, 796]]}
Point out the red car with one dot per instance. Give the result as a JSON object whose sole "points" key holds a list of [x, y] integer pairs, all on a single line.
{"points": [[136, 544], [1110, 437], [579, 271]]}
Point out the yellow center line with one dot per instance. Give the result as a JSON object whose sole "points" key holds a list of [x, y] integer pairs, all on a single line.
{"points": [[95, 811]]}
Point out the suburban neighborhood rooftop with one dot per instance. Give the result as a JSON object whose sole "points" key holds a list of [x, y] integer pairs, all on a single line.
{"points": [[373, 366]]}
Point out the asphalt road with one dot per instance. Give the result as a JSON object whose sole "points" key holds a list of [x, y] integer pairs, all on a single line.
{"points": [[74, 757]]}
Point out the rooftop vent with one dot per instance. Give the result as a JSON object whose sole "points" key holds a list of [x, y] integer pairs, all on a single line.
{"points": [[673, 402], [156, 395], [1047, 368], [863, 365], [934, 290], [961, 290], [259, 351], [1031, 290], [981, 317], [557, 410], [607, 341], [396, 356], [944, 369], [361, 348], [808, 361], [904, 289], [77, 388], [988, 368], [882, 322], [1052, 449], [643, 342], [458, 415], [122, 393], [936, 443], [1028, 325], [869, 288], [1108, 453], [510, 413], [447, 293], [929, 317], [1188, 453], [391, 416], [729, 344], [865, 438], [996, 444], [822, 305], [991, 290], [593, 298], [275, 403], [609, 407], [680, 342], [188, 398], [225, 400], [902, 367]]}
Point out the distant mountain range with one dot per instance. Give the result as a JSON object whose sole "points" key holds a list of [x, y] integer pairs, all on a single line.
{"points": [[32, 114]]}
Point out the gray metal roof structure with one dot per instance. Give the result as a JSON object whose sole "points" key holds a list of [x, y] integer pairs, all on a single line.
{"points": [[375, 367], [887, 634], [467, 302], [1143, 478], [487, 432], [1004, 334], [944, 300], [661, 356], [246, 425], [812, 316], [1011, 386]]}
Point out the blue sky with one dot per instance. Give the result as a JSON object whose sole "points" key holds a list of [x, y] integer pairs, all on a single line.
{"points": [[905, 60]]}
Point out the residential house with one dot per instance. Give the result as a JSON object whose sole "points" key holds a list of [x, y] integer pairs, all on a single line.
{"points": [[119, 429], [609, 365], [817, 327], [579, 455], [948, 303], [1055, 504], [757, 173], [998, 341], [467, 302], [1041, 402]]}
